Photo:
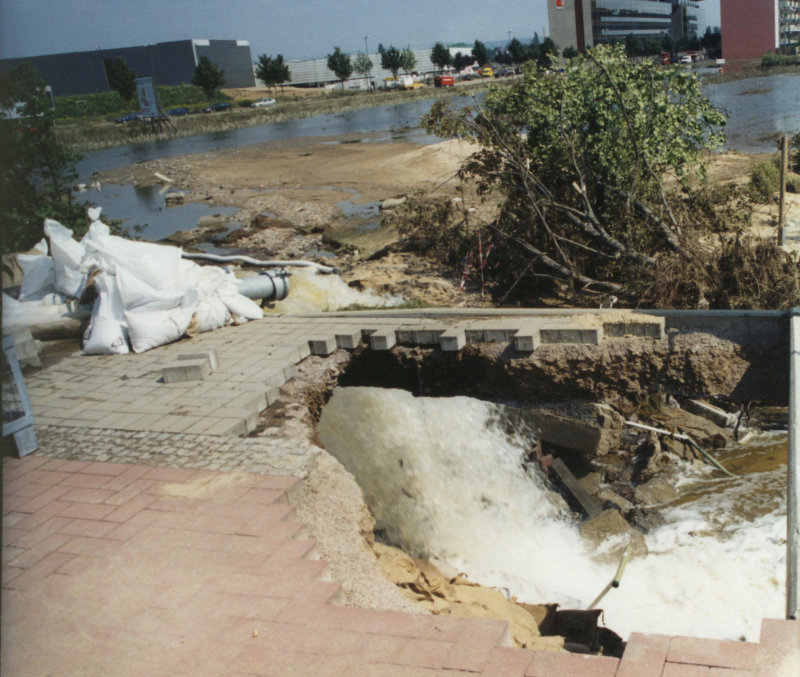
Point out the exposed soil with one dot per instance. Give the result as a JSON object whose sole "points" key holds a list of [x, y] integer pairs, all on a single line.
{"points": [[321, 199]]}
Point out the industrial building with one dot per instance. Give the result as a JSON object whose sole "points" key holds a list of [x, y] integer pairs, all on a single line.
{"points": [[168, 63], [583, 23]]}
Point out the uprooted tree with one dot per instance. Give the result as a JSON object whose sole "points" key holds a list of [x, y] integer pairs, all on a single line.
{"points": [[594, 168]]}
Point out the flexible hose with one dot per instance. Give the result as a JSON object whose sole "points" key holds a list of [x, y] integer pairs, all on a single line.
{"points": [[326, 270]]}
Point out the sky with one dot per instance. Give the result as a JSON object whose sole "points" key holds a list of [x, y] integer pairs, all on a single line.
{"points": [[297, 29]]}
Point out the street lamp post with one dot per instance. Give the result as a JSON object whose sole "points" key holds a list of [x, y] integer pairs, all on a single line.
{"points": [[366, 49]]}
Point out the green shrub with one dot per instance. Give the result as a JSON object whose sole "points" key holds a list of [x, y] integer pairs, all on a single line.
{"points": [[765, 180]]}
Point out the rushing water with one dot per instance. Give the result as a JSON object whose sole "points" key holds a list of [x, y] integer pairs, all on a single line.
{"points": [[445, 481]]}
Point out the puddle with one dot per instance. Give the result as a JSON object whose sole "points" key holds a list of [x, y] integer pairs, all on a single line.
{"points": [[144, 213]]}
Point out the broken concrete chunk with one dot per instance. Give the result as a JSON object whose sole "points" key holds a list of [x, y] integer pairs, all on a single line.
{"points": [[175, 198], [719, 416], [610, 534], [655, 492], [593, 429]]}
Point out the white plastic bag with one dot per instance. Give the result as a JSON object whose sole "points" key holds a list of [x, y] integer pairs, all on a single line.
{"points": [[211, 313]]}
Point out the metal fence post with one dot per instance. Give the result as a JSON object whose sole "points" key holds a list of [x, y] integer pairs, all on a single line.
{"points": [[793, 480]]}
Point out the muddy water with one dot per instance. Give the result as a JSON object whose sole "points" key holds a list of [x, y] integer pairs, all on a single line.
{"points": [[444, 482]]}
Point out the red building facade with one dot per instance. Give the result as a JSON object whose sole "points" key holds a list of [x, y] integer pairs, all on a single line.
{"points": [[749, 29]]}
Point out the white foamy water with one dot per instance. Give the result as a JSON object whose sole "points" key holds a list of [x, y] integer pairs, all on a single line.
{"points": [[312, 292], [445, 480]]}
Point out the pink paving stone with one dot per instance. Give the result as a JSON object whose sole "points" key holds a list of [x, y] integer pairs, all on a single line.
{"points": [[507, 662], [129, 510], [475, 643], [11, 518], [729, 672], [33, 555], [124, 479], [712, 652], [779, 649], [23, 488], [685, 670], [644, 655], [38, 502], [176, 504], [33, 577], [85, 527], [551, 664], [63, 465], [42, 515], [106, 469], [123, 532], [91, 511], [80, 495], [78, 565], [31, 537], [169, 474], [83, 480], [124, 494], [91, 547], [16, 467]]}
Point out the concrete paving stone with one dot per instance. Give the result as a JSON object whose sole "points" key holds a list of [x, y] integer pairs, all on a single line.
{"points": [[717, 653]]}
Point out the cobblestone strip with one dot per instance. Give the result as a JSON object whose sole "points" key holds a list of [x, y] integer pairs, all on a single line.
{"points": [[273, 456]]}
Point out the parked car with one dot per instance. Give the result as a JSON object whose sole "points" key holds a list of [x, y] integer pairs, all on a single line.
{"points": [[686, 59], [220, 105], [263, 103], [177, 112], [128, 117]]}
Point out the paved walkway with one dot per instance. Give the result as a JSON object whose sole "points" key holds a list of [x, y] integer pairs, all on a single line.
{"points": [[180, 562]]}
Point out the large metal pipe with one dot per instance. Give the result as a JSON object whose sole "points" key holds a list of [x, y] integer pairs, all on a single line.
{"points": [[793, 480]]}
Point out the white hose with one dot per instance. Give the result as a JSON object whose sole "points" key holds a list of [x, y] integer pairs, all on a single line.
{"points": [[326, 270]]}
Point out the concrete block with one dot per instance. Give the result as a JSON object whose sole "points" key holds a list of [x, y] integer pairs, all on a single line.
{"points": [[382, 340], [590, 335], [499, 334], [348, 339], [419, 336], [452, 340], [526, 340], [303, 351], [650, 328], [186, 370], [322, 346], [210, 355]]}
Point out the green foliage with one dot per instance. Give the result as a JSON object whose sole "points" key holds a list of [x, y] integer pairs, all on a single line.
{"points": [[579, 157], [794, 153], [362, 64], [208, 77], [765, 181], [35, 170], [407, 60], [772, 60], [518, 51], [110, 104], [121, 78], [570, 52], [272, 72], [340, 64], [440, 56], [391, 59], [479, 53]]}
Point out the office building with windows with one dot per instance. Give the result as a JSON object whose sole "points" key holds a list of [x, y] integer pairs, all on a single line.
{"points": [[583, 23]]}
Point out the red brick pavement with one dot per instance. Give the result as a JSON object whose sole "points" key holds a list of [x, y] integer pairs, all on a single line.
{"points": [[114, 569]]}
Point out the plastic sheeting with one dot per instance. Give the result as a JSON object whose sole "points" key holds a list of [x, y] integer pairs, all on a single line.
{"points": [[146, 294]]}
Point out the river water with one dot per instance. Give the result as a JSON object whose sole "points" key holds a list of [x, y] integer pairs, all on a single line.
{"points": [[444, 481], [758, 109]]}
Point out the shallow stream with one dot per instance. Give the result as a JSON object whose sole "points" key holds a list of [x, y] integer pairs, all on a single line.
{"points": [[445, 481]]}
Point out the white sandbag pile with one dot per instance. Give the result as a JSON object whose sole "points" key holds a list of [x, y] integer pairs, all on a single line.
{"points": [[147, 295]]}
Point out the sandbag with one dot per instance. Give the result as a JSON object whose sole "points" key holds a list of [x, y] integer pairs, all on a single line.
{"points": [[67, 256], [211, 314], [152, 328], [242, 308], [157, 265], [38, 275], [106, 334]]}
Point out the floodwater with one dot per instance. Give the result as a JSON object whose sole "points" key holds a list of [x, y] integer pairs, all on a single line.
{"points": [[758, 109], [445, 481]]}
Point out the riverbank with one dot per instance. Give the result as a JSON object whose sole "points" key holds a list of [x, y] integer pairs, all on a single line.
{"points": [[292, 104]]}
